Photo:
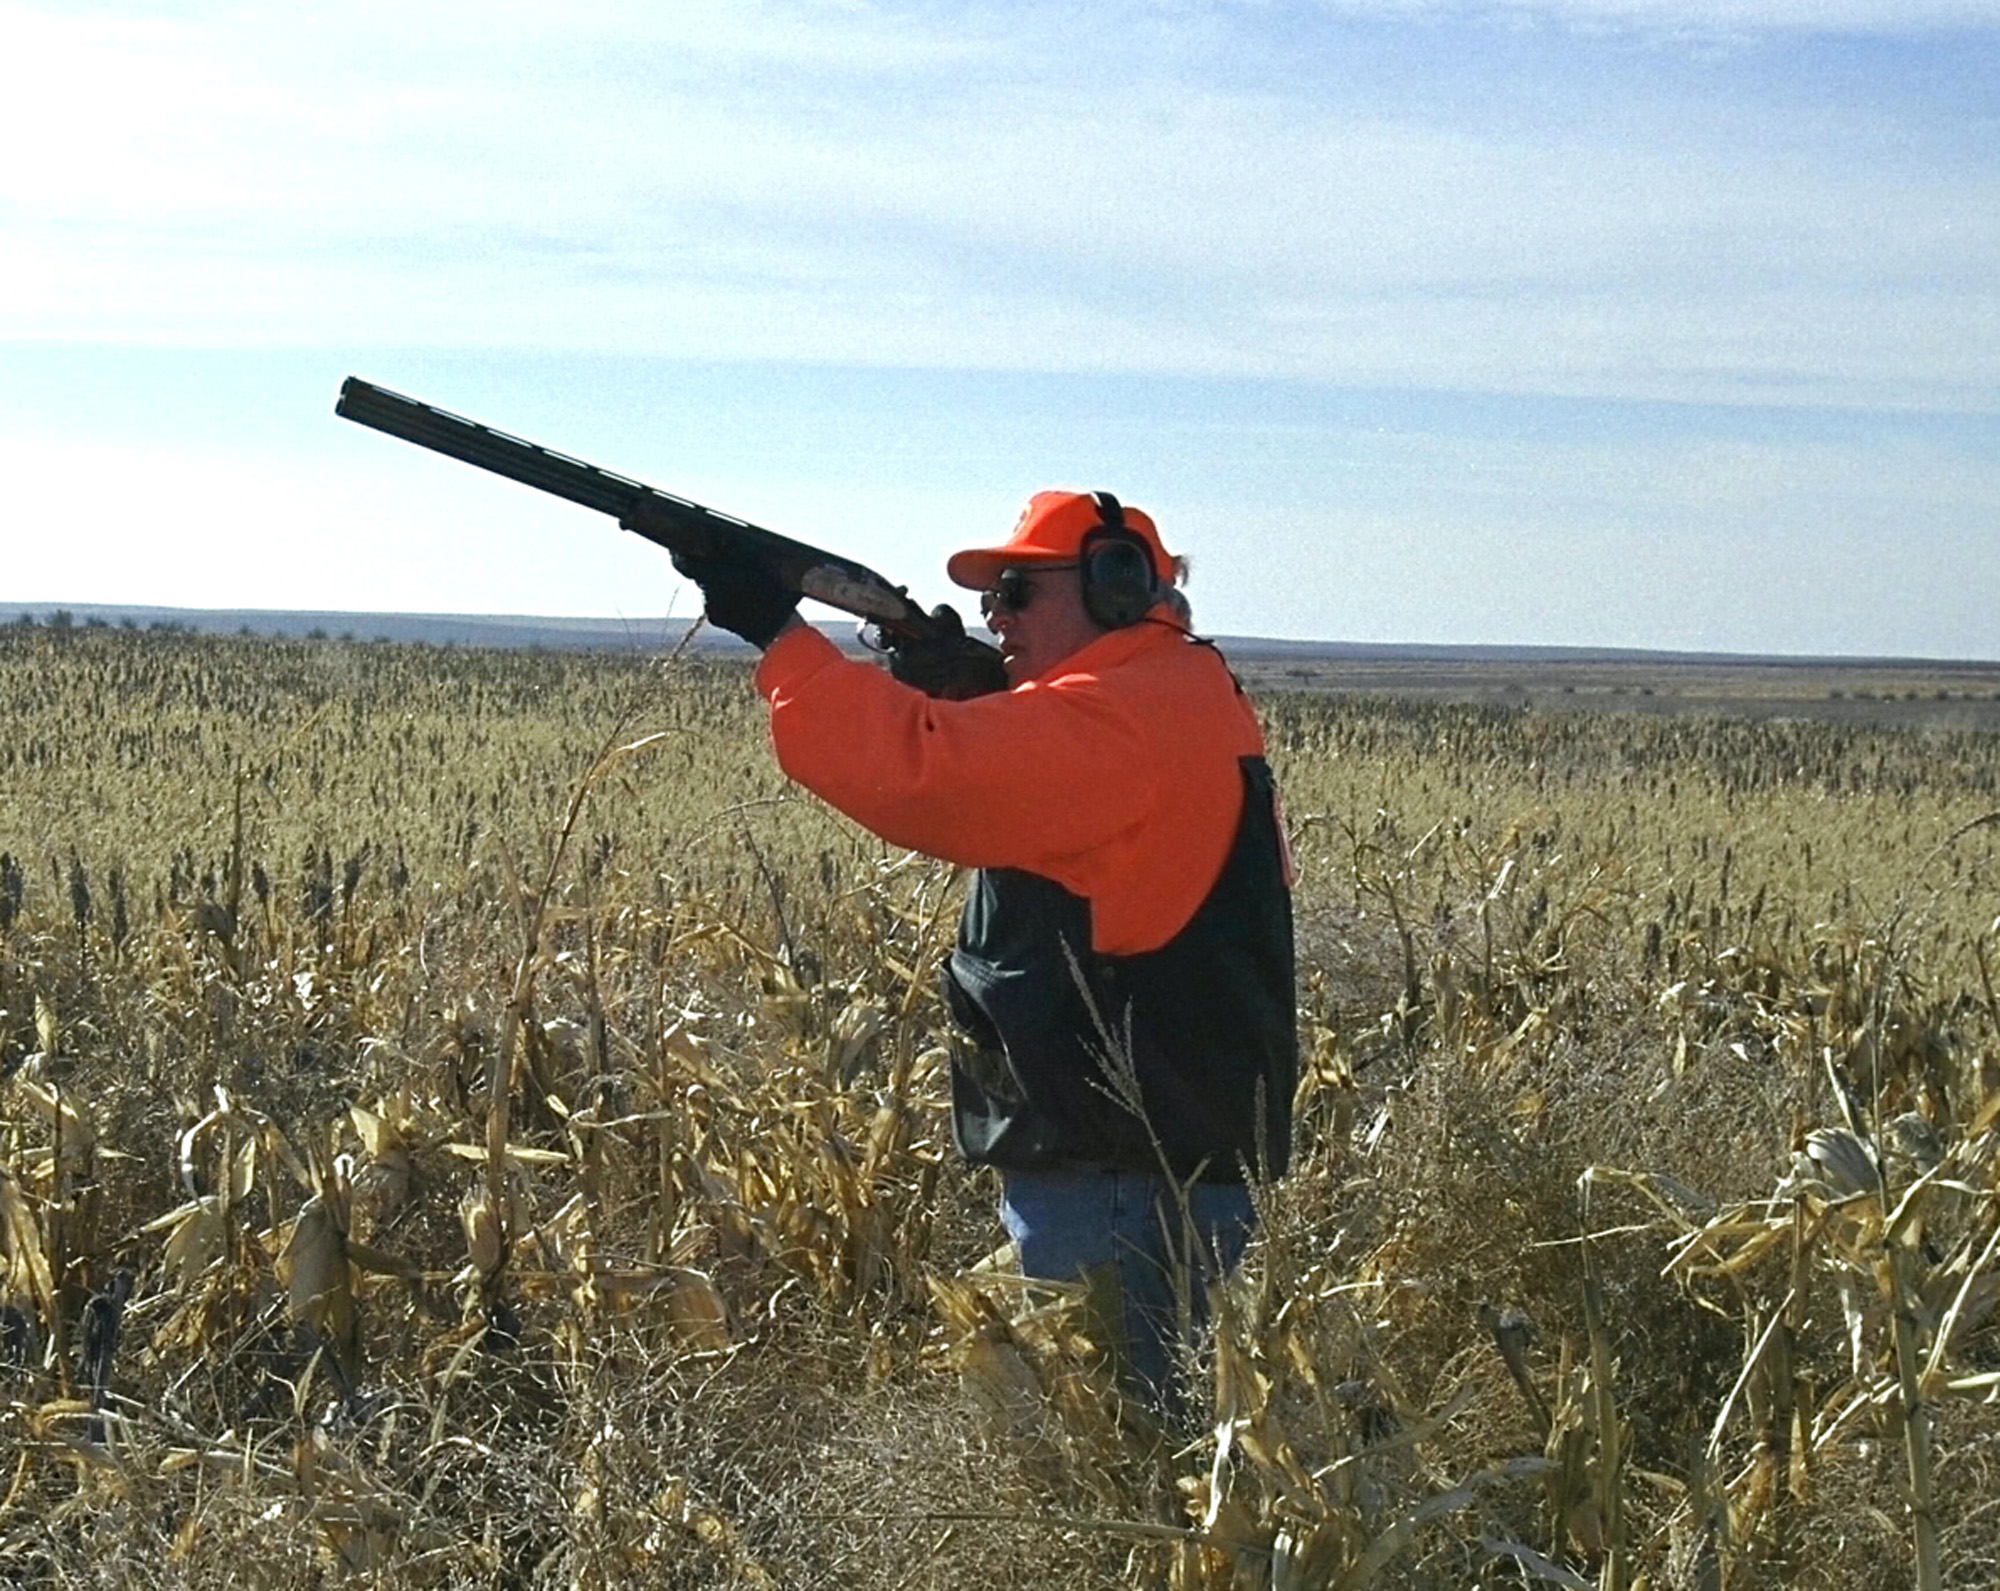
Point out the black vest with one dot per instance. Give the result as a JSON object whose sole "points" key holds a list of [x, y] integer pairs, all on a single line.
{"points": [[1208, 1023]]}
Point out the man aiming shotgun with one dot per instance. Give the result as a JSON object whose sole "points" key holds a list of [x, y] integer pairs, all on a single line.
{"points": [[920, 645], [1122, 979]]}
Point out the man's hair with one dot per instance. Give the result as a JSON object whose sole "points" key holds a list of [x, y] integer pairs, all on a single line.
{"points": [[1175, 596]]}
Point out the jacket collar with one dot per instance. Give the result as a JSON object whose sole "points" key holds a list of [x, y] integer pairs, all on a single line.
{"points": [[1159, 628]]}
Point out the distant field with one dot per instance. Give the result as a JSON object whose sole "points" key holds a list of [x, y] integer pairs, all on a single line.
{"points": [[1858, 692], [1950, 695]]}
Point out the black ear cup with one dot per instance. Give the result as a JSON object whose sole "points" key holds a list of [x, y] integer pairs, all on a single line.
{"points": [[1119, 587], [1120, 584]]}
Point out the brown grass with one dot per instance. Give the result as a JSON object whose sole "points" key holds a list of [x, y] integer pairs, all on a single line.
{"points": [[534, 1165]]}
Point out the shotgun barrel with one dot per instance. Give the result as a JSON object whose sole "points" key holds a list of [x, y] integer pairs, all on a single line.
{"points": [[671, 522]]}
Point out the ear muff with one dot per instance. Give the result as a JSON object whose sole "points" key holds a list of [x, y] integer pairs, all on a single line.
{"points": [[1120, 584]]}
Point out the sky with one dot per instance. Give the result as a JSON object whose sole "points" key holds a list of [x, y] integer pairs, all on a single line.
{"points": [[1608, 323]]}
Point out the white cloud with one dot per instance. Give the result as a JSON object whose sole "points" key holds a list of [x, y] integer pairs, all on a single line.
{"points": [[1900, 18], [874, 184]]}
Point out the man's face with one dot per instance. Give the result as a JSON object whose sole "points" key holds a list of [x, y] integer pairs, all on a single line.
{"points": [[1037, 612]]}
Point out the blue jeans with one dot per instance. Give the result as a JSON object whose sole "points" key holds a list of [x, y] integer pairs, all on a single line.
{"points": [[1072, 1221]]}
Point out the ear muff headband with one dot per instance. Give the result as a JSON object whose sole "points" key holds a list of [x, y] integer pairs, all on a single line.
{"points": [[1120, 584]]}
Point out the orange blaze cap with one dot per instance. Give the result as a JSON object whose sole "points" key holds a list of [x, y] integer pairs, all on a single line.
{"points": [[1051, 530]]}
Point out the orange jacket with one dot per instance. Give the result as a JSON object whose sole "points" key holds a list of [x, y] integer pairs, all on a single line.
{"points": [[1116, 775]]}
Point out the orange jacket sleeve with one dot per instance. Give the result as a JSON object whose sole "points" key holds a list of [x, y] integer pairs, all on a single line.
{"points": [[1025, 778], [1118, 775]]}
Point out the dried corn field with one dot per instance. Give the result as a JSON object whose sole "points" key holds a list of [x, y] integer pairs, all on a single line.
{"points": [[467, 1122]]}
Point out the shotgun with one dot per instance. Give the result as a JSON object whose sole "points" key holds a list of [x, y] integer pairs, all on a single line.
{"points": [[892, 622]]}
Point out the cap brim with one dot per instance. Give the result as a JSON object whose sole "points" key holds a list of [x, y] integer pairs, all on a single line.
{"points": [[978, 568]]}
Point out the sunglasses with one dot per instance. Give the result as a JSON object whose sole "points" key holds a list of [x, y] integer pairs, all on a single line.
{"points": [[1013, 589]]}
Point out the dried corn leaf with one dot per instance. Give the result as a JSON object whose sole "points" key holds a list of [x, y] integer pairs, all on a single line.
{"points": [[1376, 1555], [380, 1190], [243, 1172], [318, 1279], [1533, 1563], [200, 1237], [27, 1256], [480, 1222], [516, 1155], [73, 1130], [1001, 1381], [695, 1306], [185, 1157]]}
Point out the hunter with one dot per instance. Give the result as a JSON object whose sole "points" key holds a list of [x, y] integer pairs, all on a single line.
{"points": [[1123, 974]]}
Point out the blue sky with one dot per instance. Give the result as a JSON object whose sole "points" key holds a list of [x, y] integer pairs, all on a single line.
{"points": [[1665, 323]]}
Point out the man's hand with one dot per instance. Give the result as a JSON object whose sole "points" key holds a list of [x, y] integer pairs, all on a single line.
{"points": [[951, 666], [740, 596]]}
